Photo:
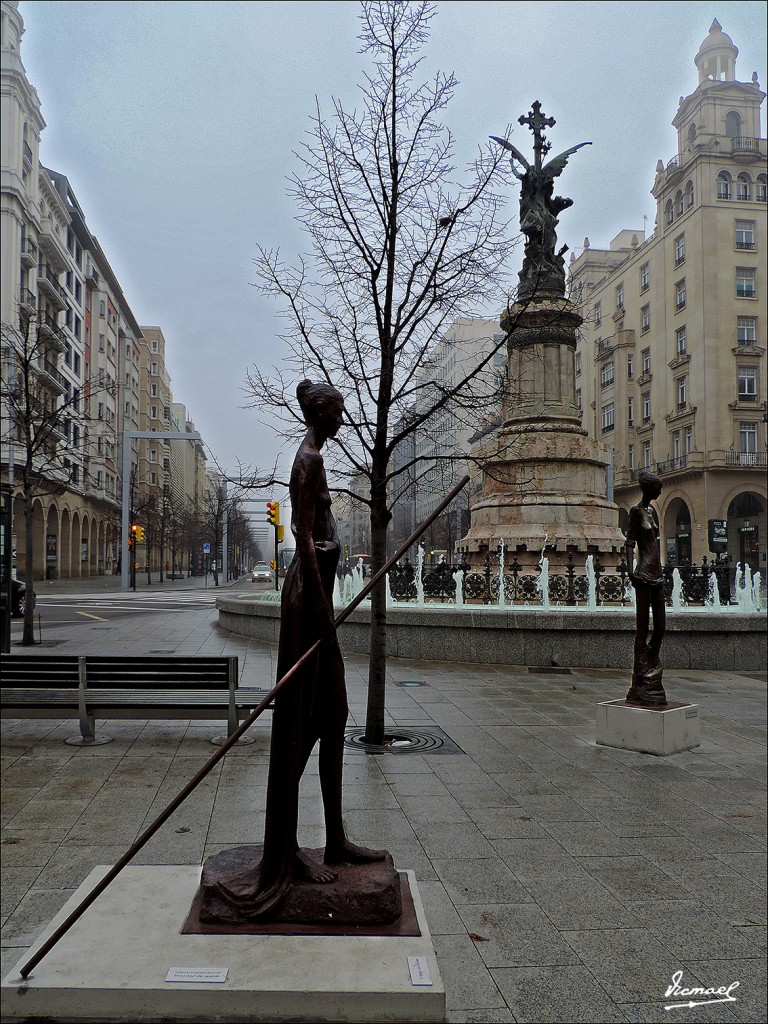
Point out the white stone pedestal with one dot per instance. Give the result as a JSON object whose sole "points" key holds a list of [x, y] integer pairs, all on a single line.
{"points": [[665, 730], [112, 965]]}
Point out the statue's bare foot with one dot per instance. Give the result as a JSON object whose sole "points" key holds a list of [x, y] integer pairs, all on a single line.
{"points": [[311, 871], [349, 853]]}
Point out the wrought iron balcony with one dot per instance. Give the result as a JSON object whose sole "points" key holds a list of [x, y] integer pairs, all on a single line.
{"points": [[748, 459], [744, 145], [29, 256]]}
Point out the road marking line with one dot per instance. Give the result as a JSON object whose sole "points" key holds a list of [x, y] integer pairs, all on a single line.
{"points": [[89, 616]]}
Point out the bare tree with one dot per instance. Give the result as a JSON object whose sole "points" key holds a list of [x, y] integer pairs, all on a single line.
{"points": [[398, 251], [40, 410]]}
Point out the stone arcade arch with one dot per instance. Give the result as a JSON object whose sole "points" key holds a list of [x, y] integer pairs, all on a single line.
{"points": [[747, 541], [65, 544], [677, 531], [52, 544]]}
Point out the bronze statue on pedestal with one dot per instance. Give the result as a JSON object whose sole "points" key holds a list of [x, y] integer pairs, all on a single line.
{"points": [[647, 578]]}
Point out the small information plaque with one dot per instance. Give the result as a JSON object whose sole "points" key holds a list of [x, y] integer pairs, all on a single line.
{"points": [[419, 969], [198, 975]]}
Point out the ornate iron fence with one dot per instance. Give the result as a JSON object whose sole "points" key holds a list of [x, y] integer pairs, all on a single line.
{"points": [[568, 585]]}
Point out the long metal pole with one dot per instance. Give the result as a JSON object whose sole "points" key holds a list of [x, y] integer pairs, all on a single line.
{"points": [[160, 820]]}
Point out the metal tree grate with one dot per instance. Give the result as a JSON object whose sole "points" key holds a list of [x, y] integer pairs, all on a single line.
{"points": [[404, 741]]}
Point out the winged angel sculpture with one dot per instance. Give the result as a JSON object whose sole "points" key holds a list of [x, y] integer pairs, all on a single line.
{"points": [[543, 273]]}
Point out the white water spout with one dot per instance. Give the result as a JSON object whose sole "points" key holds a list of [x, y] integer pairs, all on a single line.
{"points": [[502, 595], [419, 580], [591, 584], [757, 600], [458, 579], [712, 599], [677, 591], [744, 589], [542, 582]]}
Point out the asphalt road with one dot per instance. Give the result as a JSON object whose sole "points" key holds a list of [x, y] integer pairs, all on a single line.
{"points": [[86, 609]]}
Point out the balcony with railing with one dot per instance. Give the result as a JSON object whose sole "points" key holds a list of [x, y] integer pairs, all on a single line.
{"points": [[51, 375], [47, 281], [29, 255], [749, 460], [673, 166], [745, 146], [27, 153], [49, 240], [27, 301]]}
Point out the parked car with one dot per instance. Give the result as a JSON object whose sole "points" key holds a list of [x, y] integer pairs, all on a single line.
{"points": [[262, 573], [19, 598]]}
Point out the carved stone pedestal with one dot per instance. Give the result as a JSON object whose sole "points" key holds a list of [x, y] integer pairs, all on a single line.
{"points": [[544, 480], [668, 729]]}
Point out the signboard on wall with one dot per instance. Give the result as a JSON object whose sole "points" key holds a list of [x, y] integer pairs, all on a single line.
{"points": [[718, 535]]}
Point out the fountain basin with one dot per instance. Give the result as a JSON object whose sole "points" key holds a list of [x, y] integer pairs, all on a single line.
{"points": [[571, 637]]}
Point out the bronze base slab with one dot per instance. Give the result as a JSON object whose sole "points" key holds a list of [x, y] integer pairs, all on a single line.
{"points": [[365, 899]]}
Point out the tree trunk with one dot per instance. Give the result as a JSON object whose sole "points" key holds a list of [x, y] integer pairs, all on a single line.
{"points": [[28, 631], [377, 669]]}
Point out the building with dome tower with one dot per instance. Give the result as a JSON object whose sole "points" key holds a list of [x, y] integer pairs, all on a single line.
{"points": [[671, 362]]}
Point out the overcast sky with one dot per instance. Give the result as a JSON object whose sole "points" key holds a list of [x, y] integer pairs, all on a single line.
{"points": [[176, 124]]}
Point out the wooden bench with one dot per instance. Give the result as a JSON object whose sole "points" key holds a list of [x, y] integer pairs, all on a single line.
{"points": [[92, 686]]}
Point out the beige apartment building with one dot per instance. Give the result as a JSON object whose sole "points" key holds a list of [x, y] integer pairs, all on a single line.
{"points": [[671, 363], [95, 374]]}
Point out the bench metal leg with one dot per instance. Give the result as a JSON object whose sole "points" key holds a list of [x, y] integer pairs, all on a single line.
{"points": [[88, 736]]}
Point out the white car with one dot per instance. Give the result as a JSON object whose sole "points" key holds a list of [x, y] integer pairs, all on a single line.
{"points": [[262, 573]]}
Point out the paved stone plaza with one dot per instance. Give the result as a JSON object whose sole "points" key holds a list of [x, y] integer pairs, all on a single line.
{"points": [[563, 881]]}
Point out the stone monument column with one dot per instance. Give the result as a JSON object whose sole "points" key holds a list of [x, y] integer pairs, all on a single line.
{"points": [[543, 478]]}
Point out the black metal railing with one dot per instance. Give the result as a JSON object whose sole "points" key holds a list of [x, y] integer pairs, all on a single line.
{"points": [[568, 585]]}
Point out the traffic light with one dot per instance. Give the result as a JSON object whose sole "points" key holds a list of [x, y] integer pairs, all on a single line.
{"points": [[273, 513], [139, 534], [280, 534]]}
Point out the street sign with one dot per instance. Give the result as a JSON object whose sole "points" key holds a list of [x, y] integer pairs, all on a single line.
{"points": [[718, 535], [206, 549]]}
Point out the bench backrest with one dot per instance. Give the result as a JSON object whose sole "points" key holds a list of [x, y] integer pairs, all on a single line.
{"points": [[46, 672], [52, 672]]}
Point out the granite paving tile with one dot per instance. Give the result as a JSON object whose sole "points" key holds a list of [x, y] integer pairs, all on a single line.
{"points": [[442, 916], [480, 880], [555, 995], [516, 935], [690, 931], [750, 1005], [633, 878], [468, 982]]}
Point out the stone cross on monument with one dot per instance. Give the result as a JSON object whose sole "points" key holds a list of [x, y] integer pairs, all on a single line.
{"points": [[536, 121]]}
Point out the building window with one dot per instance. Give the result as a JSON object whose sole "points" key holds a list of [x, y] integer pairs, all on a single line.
{"points": [[748, 436], [166, 465], [645, 361], [608, 411], [578, 399], [747, 376], [153, 478], [679, 203], [102, 309], [154, 346], [670, 212], [679, 250], [630, 365], [153, 412], [745, 282], [745, 234], [723, 185], [688, 434], [645, 277], [645, 319], [689, 196], [153, 369], [680, 295], [606, 374], [153, 390], [152, 455], [681, 340], [761, 188], [630, 412], [620, 297], [646, 399], [743, 186], [680, 388], [646, 454], [102, 343], [676, 449], [100, 411], [598, 316], [578, 363], [746, 330], [631, 456], [733, 124]]}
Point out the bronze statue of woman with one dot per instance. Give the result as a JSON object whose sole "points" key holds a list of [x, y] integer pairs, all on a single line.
{"points": [[647, 578], [312, 707]]}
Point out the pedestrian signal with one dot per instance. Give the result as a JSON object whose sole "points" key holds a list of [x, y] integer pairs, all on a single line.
{"points": [[273, 513]]}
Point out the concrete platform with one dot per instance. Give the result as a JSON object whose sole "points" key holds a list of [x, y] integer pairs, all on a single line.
{"points": [[113, 966], [669, 729]]}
